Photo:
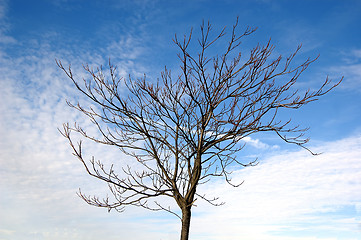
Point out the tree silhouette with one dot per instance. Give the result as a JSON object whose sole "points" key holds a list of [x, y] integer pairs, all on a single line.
{"points": [[187, 129]]}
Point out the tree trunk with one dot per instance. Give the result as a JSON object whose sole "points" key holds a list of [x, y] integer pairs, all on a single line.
{"points": [[186, 220]]}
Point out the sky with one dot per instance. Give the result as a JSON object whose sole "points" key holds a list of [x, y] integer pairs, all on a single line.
{"points": [[289, 195]]}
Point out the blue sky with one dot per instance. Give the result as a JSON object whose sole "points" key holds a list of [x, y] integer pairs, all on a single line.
{"points": [[290, 195]]}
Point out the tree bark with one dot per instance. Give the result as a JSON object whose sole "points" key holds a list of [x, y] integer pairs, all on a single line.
{"points": [[186, 220]]}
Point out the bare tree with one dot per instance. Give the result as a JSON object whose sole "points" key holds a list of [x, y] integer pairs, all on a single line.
{"points": [[187, 129]]}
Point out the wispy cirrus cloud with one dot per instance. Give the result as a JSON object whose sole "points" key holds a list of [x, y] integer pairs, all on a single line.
{"points": [[350, 68], [40, 176], [4, 24]]}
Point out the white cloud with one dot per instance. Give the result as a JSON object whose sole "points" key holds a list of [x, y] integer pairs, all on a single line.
{"points": [[288, 191], [258, 144]]}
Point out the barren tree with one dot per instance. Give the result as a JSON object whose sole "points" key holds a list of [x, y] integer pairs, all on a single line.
{"points": [[187, 129]]}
